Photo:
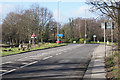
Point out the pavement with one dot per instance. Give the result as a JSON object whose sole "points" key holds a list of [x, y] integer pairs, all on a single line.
{"points": [[96, 68]]}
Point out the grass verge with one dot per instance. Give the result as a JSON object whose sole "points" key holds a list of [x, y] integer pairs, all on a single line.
{"points": [[11, 51], [113, 66]]}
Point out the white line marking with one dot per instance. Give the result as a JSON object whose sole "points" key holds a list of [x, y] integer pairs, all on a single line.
{"points": [[20, 67], [24, 63], [3, 70], [57, 54], [7, 62], [60, 53], [9, 71], [47, 57], [29, 64]]}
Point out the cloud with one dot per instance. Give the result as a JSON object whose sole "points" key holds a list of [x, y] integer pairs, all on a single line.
{"points": [[0, 11], [10, 7], [0, 14], [43, 0], [62, 18], [82, 11]]}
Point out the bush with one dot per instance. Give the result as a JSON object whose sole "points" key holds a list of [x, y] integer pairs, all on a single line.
{"points": [[28, 46], [9, 50], [70, 41], [88, 40], [81, 40]]}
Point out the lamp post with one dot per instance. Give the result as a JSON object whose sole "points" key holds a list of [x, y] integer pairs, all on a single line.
{"points": [[58, 27], [85, 27]]}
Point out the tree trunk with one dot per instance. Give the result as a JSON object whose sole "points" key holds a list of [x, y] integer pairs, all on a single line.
{"points": [[42, 36], [118, 24]]}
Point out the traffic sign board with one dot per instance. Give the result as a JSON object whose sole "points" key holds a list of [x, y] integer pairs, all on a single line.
{"points": [[33, 35], [94, 35], [59, 35], [107, 25]]}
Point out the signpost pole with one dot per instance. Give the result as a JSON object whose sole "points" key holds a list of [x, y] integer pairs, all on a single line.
{"points": [[33, 39], [112, 27], [94, 39], [104, 38], [94, 36]]}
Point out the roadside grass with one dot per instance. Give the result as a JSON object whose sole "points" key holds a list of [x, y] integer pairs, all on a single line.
{"points": [[113, 66], [92, 42], [11, 51]]}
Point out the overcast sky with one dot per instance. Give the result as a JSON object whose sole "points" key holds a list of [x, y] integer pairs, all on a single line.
{"points": [[67, 8]]}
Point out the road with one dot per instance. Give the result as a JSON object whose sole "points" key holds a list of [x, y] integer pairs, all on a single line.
{"points": [[61, 63]]}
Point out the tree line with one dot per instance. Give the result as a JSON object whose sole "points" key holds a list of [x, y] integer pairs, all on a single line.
{"points": [[19, 25]]}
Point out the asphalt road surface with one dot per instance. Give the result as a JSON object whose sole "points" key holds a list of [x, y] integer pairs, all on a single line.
{"points": [[60, 63]]}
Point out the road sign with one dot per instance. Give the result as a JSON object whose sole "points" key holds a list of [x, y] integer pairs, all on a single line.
{"points": [[102, 25], [94, 35], [59, 35], [107, 25], [33, 35]]}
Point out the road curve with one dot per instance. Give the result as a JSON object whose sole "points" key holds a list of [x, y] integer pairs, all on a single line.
{"points": [[61, 63]]}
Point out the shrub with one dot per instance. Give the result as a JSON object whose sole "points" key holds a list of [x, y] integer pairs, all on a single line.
{"points": [[70, 41], [81, 40], [88, 40]]}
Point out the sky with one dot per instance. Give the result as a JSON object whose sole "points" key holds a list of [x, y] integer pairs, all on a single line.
{"points": [[67, 8]]}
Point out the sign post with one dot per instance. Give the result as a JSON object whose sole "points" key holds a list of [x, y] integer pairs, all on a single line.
{"points": [[108, 25], [33, 39], [59, 35], [103, 25], [94, 36]]}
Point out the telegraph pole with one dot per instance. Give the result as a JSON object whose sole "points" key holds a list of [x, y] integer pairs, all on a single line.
{"points": [[85, 27], [58, 27]]}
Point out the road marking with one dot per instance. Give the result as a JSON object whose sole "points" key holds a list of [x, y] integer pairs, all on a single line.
{"points": [[47, 57], [7, 62], [60, 53], [29, 64], [57, 54], [20, 67], [9, 71], [3, 70], [24, 63]]}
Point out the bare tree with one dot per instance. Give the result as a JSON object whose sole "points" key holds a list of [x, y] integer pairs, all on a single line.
{"points": [[109, 8]]}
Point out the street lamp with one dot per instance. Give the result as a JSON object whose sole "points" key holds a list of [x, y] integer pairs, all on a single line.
{"points": [[85, 27], [58, 30]]}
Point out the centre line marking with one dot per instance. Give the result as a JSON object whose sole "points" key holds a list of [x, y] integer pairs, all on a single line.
{"points": [[9, 71], [57, 54], [47, 57], [7, 62], [60, 53], [29, 64], [3, 70]]}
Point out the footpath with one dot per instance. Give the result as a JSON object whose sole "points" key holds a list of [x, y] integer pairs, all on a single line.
{"points": [[96, 68]]}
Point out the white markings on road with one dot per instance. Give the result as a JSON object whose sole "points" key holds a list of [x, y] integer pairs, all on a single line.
{"points": [[57, 54], [9, 71], [24, 63], [3, 70], [7, 62], [47, 57], [60, 53], [29, 64], [26, 57]]}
